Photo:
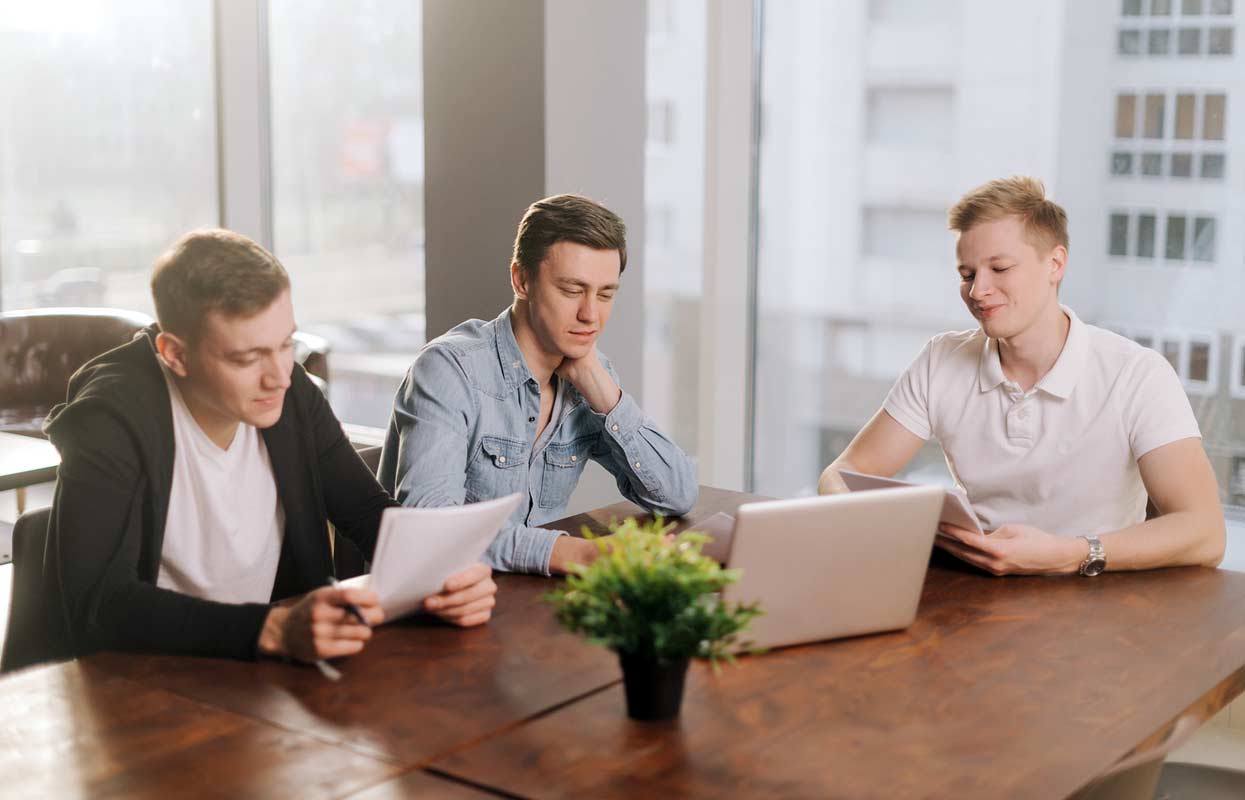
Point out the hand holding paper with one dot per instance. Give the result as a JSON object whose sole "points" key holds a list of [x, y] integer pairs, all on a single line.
{"points": [[428, 558]]}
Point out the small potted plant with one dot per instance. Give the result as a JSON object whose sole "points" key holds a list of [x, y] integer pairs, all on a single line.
{"points": [[653, 599]]}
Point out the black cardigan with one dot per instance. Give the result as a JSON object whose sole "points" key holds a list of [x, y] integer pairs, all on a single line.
{"points": [[115, 436]]}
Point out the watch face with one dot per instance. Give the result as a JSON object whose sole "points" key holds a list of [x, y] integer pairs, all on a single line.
{"points": [[1094, 567]]}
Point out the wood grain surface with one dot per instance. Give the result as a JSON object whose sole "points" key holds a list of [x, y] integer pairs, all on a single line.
{"points": [[1016, 687]]}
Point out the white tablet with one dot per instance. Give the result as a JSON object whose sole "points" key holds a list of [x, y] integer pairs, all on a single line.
{"points": [[956, 510]]}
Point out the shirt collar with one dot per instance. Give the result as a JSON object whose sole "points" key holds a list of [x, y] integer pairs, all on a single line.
{"points": [[1061, 378], [513, 365]]}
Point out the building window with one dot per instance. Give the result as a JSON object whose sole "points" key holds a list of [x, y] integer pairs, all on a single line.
{"points": [[661, 122], [1119, 235], [1187, 128], [1186, 238], [1199, 29]]}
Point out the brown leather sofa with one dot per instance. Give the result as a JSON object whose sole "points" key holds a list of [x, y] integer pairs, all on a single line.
{"points": [[41, 348]]}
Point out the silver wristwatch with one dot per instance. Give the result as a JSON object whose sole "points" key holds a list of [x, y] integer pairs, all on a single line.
{"points": [[1096, 561]]}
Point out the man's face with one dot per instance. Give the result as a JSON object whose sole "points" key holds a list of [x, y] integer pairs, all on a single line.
{"points": [[570, 298], [1005, 282], [239, 368]]}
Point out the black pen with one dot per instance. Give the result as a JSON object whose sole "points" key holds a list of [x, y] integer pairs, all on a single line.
{"points": [[351, 607]]}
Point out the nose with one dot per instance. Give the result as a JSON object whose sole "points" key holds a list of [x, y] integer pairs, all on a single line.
{"points": [[587, 311], [981, 285], [277, 373]]}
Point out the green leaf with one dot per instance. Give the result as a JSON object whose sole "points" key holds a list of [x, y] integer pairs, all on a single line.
{"points": [[651, 594]]}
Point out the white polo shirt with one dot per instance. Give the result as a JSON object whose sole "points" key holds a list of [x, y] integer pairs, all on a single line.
{"points": [[1062, 456]]}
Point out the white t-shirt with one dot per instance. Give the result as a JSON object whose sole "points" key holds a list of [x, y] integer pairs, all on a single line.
{"points": [[1062, 456], [223, 532]]}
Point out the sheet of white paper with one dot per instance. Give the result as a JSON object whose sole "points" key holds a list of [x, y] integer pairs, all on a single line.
{"points": [[956, 510], [419, 548]]}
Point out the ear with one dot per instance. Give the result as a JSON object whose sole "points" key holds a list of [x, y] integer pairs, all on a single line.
{"points": [[173, 351], [518, 280], [1057, 261]]}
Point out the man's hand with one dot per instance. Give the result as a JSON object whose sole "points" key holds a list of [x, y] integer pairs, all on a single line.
{"points": [[1014, 550], [589, 376], [568, 550], [467, 598], [317, 625]]}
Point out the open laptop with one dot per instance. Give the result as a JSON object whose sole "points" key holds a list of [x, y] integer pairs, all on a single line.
{"points": [[839, 565]]}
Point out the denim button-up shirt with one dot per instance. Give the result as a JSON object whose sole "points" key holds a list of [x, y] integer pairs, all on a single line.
{"points": [[464, 427]]}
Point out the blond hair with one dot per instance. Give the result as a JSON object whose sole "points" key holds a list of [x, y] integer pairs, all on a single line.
{"points": [[1045, 221]]}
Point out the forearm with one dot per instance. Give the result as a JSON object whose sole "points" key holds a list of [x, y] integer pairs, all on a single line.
{"points": [[651, 470], [1178, 538]]}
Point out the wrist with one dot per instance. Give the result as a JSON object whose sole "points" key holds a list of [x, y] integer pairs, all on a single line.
{"points": [[1078, 551], [272, 634], [568, 550]]}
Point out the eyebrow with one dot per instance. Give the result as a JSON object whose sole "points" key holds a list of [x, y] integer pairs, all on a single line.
{"points": [[585, 285], [249, 351]]}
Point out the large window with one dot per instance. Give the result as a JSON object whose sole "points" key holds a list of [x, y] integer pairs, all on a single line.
{"points": [[873, 126], [108, 149], [674, 181], [348, 187]]}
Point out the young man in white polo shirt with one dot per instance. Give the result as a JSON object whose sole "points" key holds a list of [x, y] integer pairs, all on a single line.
{"points": [[1057, 430]]}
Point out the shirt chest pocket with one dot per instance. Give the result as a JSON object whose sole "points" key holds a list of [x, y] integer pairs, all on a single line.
{"points": [[563, 464], [497, 469]]}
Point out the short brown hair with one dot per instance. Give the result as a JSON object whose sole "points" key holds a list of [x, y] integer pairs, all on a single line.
{"points": [[567, 218], [1045, 221], [213, 270]]}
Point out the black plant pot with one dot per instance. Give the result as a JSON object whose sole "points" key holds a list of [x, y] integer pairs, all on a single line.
{"points": [[654, 688]]}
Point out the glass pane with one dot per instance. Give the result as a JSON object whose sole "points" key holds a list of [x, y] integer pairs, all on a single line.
{"points": [[1184, 116], [1204, 239], [674, 182], [1119, 235], [1199, 361], [1145, 236], [1154, 116], [854, 275], [1160, 42], [1219, 41], [1175, 249], [1130, 42], [1213, 166], [1171, 352], [1144, 341], [1221, 7], [1189, 41], [1191, 7], [109, 154], [1125, 115], [348, 187], [1212, 117]]}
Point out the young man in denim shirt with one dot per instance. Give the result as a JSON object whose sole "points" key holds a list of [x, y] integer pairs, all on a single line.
{"points": [[521, 403]]}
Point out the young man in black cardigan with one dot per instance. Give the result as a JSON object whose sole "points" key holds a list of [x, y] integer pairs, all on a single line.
{"points": [[199, 469]]}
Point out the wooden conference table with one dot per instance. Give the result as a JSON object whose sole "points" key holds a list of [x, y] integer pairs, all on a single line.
{"points": [[1016, 687]]}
